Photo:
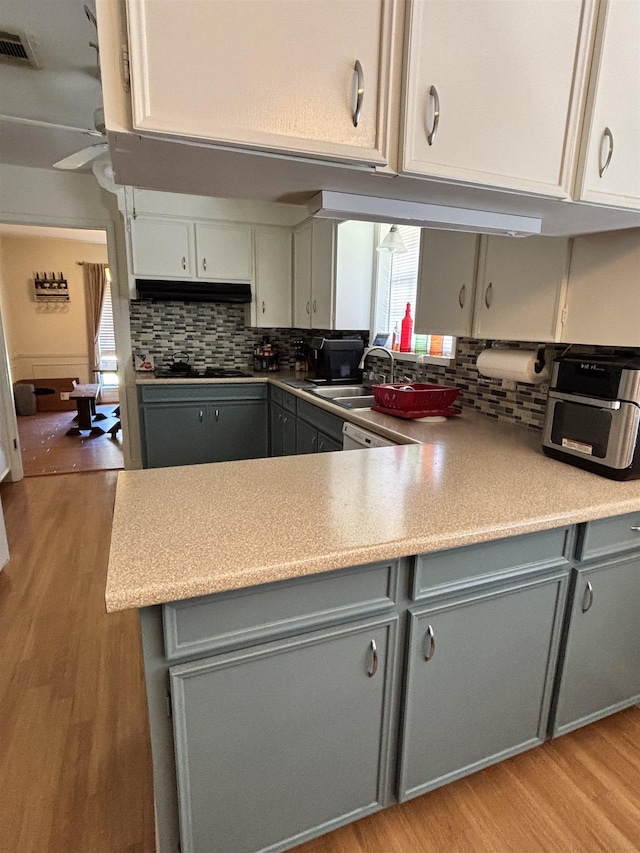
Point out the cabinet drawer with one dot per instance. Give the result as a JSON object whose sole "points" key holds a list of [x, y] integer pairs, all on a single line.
{"points": [[203, 391], [241, 617], [609, 536], [321, 419], [446, 571], [276, 394]]}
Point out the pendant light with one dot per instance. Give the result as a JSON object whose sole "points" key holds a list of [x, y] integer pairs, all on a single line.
{"points": [[393, 242]]}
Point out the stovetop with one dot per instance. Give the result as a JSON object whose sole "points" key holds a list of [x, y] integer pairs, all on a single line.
{"points": [[207, 373]]}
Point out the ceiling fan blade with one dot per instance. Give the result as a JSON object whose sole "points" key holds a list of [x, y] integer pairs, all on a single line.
{"points": [[82, 157]]}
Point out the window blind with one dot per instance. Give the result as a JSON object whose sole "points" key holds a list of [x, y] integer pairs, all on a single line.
{"points": [[106, 335]]}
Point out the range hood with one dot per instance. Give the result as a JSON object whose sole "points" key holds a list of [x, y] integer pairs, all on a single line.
{"points": [[153, 290], [335, 205]]}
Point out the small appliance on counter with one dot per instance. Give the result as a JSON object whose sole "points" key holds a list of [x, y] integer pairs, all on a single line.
{"points": [[337, 360], [593, 415]]}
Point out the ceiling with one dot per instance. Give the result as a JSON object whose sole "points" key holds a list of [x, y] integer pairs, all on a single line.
{"points": [[64, 90]]}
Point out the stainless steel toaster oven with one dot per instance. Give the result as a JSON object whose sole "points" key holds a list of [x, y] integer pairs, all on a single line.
{"points": [[593, 415]]}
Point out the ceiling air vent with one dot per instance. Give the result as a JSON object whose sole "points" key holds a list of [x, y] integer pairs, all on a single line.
{"points": [[16, 49]]}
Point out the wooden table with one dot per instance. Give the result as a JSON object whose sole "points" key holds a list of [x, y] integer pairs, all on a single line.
{"points": [[87, 417]]}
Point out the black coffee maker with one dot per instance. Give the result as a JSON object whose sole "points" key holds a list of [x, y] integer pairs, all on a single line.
{"points": [[337, 360]]}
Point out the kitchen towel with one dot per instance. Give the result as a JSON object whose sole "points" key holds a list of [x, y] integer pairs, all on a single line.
{"points": [[513, 365]]}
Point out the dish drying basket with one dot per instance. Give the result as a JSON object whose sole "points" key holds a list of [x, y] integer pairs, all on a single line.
{"points": [[414, 396]]}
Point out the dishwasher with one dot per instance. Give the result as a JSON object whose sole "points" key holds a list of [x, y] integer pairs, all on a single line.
{"points": [[356, 438]]}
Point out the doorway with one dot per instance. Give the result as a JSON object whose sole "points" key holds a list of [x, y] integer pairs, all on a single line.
{"points": [[59, 340]]}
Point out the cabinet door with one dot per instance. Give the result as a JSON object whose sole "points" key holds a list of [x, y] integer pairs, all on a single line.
{"points": [[276, 417], [302, 277], [175, 435], [288, 434], [224, 252], [267, 74], [256, 727], [239, 430], [354, 266], [322, 273], [600, 672], [161, 248], [612, 126], [306, 438], [479, 677], [446, 282], [502, 77], [603, 290], [520, 287], [326, 444], [272, 298]]}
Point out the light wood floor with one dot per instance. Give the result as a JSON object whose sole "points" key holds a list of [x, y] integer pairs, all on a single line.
{"points": [[47, 449], [75, 772]]}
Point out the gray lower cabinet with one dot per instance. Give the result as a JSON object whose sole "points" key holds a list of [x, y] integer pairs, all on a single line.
{"points": [[190, 424], [479, 680], [283, 431], [600, 672], [317, 431], [282, 741]]}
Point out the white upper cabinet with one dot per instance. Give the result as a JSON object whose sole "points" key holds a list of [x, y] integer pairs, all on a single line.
{"points": [[162, 248], [610, 171], [224, 252], [603, 292], [493, 91], [271, 305], [520, 288], [446, 282], [307, 77], [333, 275]]}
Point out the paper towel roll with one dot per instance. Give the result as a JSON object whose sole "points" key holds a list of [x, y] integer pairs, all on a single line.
{"points": [[514, 365]]}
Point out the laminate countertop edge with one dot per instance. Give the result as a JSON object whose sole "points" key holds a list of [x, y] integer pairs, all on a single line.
{"points": [[189, 531]]}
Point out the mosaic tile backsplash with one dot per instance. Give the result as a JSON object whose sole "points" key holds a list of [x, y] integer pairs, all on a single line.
{"points": [[217, 334]]}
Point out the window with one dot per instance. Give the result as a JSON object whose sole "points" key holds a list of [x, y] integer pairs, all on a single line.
{"points": [[397, 285], [106, 339]]}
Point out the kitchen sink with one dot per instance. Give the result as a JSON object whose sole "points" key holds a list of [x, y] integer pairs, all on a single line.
{"points": [[363, 402], [342, 391]]}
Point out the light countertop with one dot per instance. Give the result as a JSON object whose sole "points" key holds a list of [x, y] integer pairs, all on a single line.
{"points": [[193, 530]]}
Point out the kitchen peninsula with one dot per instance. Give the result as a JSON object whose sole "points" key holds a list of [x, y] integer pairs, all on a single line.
{"points": [[336, 631]]}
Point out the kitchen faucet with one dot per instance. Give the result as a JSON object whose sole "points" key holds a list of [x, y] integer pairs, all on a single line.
{"points": [[368, 377]]}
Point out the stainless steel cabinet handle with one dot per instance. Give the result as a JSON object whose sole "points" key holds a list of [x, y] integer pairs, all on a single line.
{"points": [[280, 418], [264, 307], [462, 296], [635, 529], [433, 93], [286, 420], [374, 660], [204, 264], [308, 307], [488, 295], [201, 415], [314, 441], [609, 137], [587, 598], [357, 70], [315, 306], [217, 413], [184, 263], [430, 644], [321, 446]]}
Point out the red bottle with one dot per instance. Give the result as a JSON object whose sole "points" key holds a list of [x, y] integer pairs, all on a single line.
{"points": [[406, 332]]}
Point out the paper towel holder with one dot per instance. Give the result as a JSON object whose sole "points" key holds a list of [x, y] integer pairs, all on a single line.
{"points": [[539, 366]]}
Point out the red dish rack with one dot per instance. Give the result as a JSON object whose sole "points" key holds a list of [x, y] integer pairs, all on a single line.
{"points": [[414, 396]]}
